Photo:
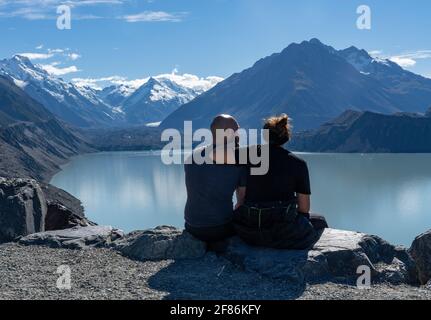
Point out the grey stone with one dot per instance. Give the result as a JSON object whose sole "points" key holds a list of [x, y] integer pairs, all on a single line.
{"points": [[22, 208], [74, 238], [161, 243], [421, 253], [337, 255]]}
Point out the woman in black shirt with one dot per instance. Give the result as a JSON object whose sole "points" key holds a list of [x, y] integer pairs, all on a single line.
{"points": [[276, 212]]}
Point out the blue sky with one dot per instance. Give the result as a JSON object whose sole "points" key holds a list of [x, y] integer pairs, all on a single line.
{"points": [[139, 38]]}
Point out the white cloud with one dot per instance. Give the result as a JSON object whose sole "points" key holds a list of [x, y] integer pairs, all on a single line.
{"points": [[39, 47], [73, 56], [78, 3], [56, 50], [136, 83], [51, 53], [186, 80], [375, 53], [403, 61], [45, 9], [37, 56], [54, 70], [191, 81], [97, 83], [410, 59], [155, 16]]}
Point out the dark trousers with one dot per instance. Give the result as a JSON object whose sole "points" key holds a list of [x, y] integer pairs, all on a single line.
{"points": [[212, 234], [216, 237]]}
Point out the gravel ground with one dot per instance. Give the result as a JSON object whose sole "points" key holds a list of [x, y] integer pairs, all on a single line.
{"points": [[30, 273]]}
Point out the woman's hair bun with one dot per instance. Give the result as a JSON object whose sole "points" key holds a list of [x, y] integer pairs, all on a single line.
{"points": [[279, 129], [283, 120]]}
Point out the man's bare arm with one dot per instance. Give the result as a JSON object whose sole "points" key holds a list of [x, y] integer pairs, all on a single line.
{"points": [[304, 203]]}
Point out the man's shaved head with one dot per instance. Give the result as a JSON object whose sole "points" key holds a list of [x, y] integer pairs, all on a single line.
{"points": [[224, 131], [224, 122]]}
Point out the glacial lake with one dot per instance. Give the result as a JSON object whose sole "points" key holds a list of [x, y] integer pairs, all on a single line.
{"points": [[384, 194]]}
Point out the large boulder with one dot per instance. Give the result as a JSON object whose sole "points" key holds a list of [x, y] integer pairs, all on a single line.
{"points": [[421, 253], [23, 208], [27, 207], [337, 255], [161, 243], [74, 238]]}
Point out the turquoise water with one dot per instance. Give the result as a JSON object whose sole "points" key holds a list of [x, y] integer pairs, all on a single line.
{"points": [[388, 194]]}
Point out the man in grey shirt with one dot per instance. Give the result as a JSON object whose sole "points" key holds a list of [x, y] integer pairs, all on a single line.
{"points": [[211, 186]]}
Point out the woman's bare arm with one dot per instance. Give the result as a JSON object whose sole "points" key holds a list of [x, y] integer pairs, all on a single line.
{"points": [[240, 197], [304, 203]]}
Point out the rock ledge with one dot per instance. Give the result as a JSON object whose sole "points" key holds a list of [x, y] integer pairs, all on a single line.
{"points": [[75, 238]]}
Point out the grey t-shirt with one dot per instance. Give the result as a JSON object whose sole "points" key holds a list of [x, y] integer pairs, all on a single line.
{"points": [[210, 189]]}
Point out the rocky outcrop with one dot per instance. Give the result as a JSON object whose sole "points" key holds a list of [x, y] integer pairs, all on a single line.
{"points": [[64, 210], [26, 207], [75, 238], [337, 255], [23, 208], [161, 243], [60, 217], [421, 252], [55, 196]]}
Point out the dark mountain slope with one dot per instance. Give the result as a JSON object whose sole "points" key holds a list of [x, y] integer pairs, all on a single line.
{"points": [[11, 101], [33, 143], [369, 132]]}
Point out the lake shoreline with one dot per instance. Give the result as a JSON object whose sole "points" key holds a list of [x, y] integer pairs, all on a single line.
{"points": [[141, 177], [135, 266]]}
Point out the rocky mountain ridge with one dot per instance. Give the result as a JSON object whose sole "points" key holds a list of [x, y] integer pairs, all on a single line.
{"points": [[312, 83]]}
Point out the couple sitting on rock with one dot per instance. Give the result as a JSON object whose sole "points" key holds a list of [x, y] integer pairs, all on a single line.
{"points": [[272, 210]]}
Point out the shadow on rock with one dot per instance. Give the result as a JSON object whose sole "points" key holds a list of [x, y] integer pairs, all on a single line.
{"points": [[215, 278]]}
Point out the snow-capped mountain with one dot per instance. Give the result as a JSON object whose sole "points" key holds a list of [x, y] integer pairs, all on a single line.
{"points": [[78, 106], [155, 100], [115, 95], [375, 66], [157, 97], [130, 102], [412, 91]]}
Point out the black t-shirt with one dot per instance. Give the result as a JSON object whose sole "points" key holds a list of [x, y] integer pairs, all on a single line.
{"points": [[210, 190], [287, 176]]}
